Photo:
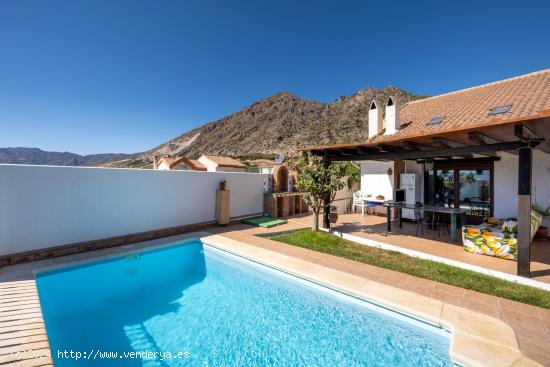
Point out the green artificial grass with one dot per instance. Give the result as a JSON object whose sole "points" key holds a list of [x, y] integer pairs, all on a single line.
{"points": [[330, 244], [265, 222]]}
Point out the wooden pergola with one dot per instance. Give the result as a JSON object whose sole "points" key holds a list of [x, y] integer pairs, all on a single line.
{"points": [[516, 136]]}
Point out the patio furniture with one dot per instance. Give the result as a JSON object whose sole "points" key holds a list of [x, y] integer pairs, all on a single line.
{"points": [[453, 212], [359, 201], [492, 239], [479, 207], [495, 239], [419, 219]]}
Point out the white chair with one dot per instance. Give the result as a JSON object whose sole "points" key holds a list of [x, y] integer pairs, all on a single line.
{"points": [[359, 201]]}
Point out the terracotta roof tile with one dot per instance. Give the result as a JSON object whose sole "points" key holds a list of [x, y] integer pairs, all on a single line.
{"points": [[225, 161], [528, 94], [197, 165], [468, 109]]}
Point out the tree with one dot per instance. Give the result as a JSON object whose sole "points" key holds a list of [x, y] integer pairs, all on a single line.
{"points": [[320, 180]]}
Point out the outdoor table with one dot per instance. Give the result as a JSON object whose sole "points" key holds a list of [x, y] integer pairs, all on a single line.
{"points": [[454, 212]]}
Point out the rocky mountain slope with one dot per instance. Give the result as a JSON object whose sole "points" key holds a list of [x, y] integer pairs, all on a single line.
{"points": [[281, 123], [41, 157], [274, 125]]}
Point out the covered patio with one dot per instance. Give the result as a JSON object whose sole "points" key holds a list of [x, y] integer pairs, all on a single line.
{"points": [[505, 124]]}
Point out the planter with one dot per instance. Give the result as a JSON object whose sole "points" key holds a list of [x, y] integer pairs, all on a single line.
{"points": [[542, 233], [380, 197], [332, 217]]}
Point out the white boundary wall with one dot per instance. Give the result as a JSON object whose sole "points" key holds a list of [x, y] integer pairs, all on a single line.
{"points": [[45, 206]]}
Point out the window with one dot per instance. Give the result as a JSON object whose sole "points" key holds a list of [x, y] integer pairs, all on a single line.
{"points": [[499, 110], [464, 184], [435, 121]]}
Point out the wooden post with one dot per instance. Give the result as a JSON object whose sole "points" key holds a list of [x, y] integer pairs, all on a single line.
{"points": [[525, 158], [326, 200]]}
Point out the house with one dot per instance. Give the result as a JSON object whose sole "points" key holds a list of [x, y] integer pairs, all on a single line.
{"points": [[488, 144], [215, 163], [178, 163]]}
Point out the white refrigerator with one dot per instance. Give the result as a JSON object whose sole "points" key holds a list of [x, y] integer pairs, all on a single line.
{"points": [[410, 182]]}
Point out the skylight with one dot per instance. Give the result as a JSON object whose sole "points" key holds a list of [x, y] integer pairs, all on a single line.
{"points": [[435, 120], [499, 110]]}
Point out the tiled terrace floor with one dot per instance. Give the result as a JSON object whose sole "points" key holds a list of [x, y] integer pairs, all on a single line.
{"points": [[22, 327], [374, 227]]}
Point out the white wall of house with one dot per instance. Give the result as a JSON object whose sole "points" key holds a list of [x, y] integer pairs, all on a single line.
{"points": [[506, 183], [45, 206], [210, 166], [375, 179], [163, 166]]}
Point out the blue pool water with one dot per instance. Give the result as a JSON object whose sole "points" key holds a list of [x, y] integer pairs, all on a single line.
{"points": [[216, 309]]}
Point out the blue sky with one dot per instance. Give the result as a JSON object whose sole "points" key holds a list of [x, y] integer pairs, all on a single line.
{"points": [[124, 76]]}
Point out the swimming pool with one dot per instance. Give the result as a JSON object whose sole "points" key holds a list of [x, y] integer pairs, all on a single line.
{"points": [[190, 304]]}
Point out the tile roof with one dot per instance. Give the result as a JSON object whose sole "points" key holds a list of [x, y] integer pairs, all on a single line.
{"points": [[528, 95], [225, 161], [192, 164], [197, 165], [468, 109]]}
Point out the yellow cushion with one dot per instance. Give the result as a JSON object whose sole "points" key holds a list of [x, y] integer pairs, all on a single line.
{"points": [[536, 220]]}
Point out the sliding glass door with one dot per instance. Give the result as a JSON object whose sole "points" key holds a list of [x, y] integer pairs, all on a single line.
{"points": [[466, 184], [475, 191]]}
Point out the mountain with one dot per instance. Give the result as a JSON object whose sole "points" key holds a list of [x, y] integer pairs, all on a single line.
{"points": [[274, 125], [38, 156], [281, 123]]}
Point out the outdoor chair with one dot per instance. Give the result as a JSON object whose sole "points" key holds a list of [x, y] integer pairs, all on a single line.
{"points": [[358, 201], [478, 207], [435, 222], [419, 219]]}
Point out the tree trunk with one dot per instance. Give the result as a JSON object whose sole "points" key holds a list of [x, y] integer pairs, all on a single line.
{"points": [[315, 226]]}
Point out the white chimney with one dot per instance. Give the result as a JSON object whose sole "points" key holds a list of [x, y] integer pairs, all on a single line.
{"points": [[375, 119], [392, 116]]}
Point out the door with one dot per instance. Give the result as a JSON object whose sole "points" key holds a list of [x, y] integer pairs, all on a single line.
{"points": [[445, 188], [466, 184]]}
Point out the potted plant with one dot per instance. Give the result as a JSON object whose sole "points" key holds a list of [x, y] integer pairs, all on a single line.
{"points": [[333, 215], [542, 232]]}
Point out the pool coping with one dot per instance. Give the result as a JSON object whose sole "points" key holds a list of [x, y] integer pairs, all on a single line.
{"points": [[477, 340]]}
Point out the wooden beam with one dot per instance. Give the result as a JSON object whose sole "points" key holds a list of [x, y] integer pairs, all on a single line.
{"points": [[412, 145], [326, 200], [388, 148], [524, 133], [524, 211], [479, 138], [446, 143], [444, 152], [449, 143]]}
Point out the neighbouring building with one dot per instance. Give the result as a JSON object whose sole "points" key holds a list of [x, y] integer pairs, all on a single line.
{"points": [[178, 163], [215, 163]]}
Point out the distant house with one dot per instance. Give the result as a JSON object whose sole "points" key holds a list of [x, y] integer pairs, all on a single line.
{"points": [[214, 163], [178, 163]]}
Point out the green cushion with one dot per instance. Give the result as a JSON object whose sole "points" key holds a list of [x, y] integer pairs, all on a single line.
{"points": [[265, 222]]}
